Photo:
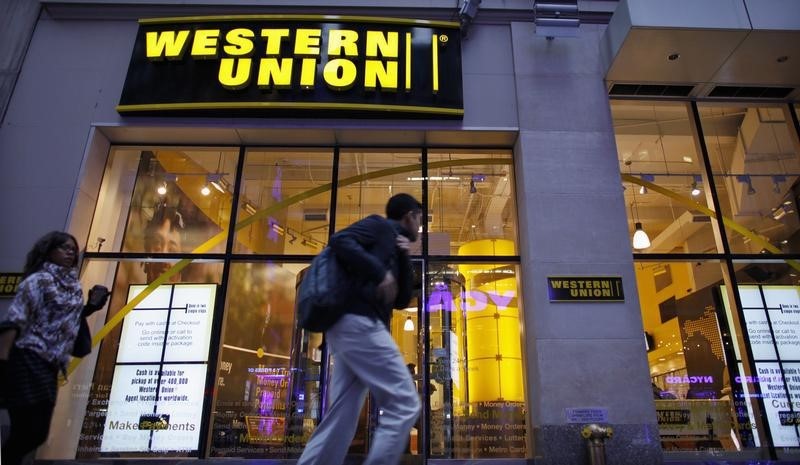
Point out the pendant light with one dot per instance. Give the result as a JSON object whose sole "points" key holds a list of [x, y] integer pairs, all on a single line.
{"points": [[640, 238], [409, 325]]}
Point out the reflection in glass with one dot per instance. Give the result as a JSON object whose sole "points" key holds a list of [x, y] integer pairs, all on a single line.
{"points": [[262, 404], [470, 199], [693, 352], [168, 204], [656, 147], [770, 299], [475, 361], [181, 198], [357, 199], [756, 166], [285, 175]]}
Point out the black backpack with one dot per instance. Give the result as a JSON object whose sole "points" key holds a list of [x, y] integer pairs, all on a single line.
{"points": [[322, 292]]}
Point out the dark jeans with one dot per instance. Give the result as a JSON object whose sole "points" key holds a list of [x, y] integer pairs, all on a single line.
{"points": [[30, 425]]}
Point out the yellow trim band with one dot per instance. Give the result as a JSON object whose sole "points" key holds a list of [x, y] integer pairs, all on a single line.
{"points": [[289, 106], [323, 18], [435, 64], [408, 61]]}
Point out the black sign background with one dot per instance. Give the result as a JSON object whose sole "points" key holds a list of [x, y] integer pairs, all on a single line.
{"points": [[191, 86]]}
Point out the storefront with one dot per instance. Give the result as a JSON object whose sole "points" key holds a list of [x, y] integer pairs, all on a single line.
{"points": [[203, 154]]}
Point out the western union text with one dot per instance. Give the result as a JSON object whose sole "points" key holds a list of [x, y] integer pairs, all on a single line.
{"points": [[272, 65], [585, 287]]}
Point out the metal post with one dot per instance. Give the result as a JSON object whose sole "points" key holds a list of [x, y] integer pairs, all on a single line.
{"points": [[596, 436]]}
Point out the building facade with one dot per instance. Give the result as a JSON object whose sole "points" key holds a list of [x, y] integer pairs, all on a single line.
{"points": [[203, 152]]}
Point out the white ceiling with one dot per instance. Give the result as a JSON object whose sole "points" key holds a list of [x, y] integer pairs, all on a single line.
{"points": [[712, 42]]}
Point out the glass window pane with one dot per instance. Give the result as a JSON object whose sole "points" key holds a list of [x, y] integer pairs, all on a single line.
{"points": [[284, 203], [471, 197], [266, 401], [160, 346], [367, 178], [756, 167], [181, 200], [692, 353], [662, 178], [476, 361], [168, 203], [770, 298]]}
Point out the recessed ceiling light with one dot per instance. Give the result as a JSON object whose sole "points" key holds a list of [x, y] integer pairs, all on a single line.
{"points": [[687, 159]]}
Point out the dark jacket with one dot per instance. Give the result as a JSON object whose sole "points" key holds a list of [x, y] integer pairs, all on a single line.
{"points": [[367, 249]]}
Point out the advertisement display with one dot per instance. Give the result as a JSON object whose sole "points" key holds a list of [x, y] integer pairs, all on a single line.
{"points": [[157, 392], [772, 319], [782, 412]]}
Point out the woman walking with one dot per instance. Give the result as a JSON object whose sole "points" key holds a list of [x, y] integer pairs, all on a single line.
{"points": [[37, 338]]}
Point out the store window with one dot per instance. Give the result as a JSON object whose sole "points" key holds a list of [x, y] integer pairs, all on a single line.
{"points": [[284, 202], [720, 326], [770, 302], [662, 178], [756, 165], [152, 367], [201, 355], [265, 404], [367, 178], [479, 184], [688, 341]]}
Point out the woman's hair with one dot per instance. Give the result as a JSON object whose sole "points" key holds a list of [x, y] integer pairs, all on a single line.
{"points": [[42, 250]]}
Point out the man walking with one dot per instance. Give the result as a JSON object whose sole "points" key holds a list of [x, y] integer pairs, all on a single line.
{"points": [[366, 358]]}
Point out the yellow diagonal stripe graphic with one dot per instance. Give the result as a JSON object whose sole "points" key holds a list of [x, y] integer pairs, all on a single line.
{"points": [[692, 205], [261, 214]]}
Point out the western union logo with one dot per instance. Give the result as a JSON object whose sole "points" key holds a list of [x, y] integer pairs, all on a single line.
{"points": [[585, 289], [379, 67], [9, 283]]}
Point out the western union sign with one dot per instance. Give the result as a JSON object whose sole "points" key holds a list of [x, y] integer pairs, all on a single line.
{"points": [[295, 63], [9, 283], [585, 289]]}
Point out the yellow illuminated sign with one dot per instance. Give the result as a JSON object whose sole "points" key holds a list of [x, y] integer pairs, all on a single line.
{"points": [[9, 283], [245, 62]]}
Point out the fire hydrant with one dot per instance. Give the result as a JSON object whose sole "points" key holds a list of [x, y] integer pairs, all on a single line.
{"points": [[596, 436]]}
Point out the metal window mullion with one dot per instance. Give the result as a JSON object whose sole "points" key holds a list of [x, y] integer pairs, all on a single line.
{"points": [[206, 425], [696, 125]]}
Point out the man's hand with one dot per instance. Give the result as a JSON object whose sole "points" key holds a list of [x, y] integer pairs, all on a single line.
{"points": [[387, 289], [403, 243]]}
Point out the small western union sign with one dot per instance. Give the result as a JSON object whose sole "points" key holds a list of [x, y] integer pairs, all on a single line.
{"points": [[585, 289], [9, 283]]}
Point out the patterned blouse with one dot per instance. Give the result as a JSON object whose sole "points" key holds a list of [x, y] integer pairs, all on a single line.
{"points": [[47, 313]]}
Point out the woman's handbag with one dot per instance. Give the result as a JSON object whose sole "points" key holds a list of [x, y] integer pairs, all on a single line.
{"points": [[83, 343]]}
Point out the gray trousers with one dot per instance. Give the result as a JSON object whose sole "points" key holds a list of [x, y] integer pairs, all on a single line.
{"points": [[366, 358]]}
